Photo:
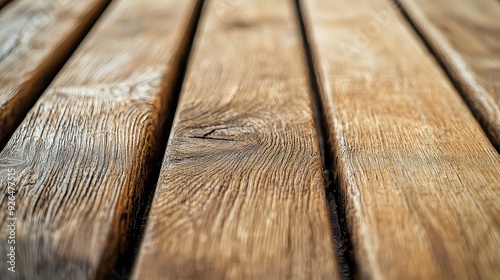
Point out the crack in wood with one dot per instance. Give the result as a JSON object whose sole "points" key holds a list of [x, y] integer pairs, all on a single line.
{"points": [[207, 136]]}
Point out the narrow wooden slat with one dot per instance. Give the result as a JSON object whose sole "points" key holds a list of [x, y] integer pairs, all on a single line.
{"points": [[241, 192], [82, 153], [465, 35], [419, 180], [36, 37]]}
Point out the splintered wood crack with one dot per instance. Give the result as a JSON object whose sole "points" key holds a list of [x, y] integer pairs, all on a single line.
{"points": [[208, 137]]}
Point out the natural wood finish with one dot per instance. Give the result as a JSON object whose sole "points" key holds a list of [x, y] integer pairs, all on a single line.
{"points": [[419, 180], [83, 152], [36, 37], [465, 35], [241, 192]]}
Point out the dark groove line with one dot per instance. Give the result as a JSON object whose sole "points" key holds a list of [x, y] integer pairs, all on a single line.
{"points": [[448, 72], [337, 216], [123, 267], [41, 83], [5, 4]]}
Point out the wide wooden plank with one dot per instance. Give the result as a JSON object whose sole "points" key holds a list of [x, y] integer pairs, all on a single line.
{"points": [[241, 193], [81, 157], [418, 178], [36, 37], [465, 35]]}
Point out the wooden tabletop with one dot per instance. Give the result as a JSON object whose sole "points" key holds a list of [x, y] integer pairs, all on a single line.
{"points": [[234, 139]]}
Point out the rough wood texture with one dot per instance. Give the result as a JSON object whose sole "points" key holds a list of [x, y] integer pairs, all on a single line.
{"points": [[36, 37], [82, 153], [241, 192], [419, 180], [465, 35]]}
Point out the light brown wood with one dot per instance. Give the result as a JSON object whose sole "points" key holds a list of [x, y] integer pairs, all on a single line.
{"points": [[36, 38], [465, 35], [82, 154], [241, 192], [419, 180]]}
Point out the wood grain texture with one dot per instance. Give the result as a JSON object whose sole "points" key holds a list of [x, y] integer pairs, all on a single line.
{"points": [[241, 192], [82, 154], [465, 35], [419, 180], [36, 37]]}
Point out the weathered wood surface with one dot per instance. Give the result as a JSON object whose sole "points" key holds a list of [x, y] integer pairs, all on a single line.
{"points": [[36, 38], [465, 35], [241, 193], [83, 152], [419, 180]]}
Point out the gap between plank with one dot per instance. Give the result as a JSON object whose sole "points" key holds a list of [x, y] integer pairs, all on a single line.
{"points": [[126, 261], [483, 123], [56, 69], [337, 214], [4, 3]]}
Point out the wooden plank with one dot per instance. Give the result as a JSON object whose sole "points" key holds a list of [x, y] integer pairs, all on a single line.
{"points": [[465, 35], [241, 192], [36, 38], [83, 152], [418, 178]]}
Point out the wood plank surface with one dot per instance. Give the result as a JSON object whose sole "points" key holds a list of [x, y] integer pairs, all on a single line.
{"points": [[241, 191], [418, 178], [82, 154], [465, 35], [36, 37]]}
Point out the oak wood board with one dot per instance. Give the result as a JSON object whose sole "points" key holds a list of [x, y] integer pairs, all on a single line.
{"points": [[241, 192], [36, 38], [81, 157], [418, 179], [465, 35]]}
